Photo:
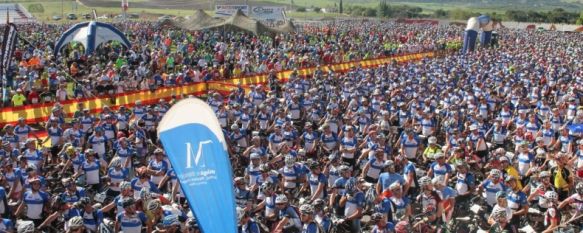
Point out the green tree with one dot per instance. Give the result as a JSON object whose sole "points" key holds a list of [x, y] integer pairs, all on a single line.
{"points": [[384, 10], [440, 13], [317, 9], [580, 20], [340, 9], [301, 9], [369, 12]]}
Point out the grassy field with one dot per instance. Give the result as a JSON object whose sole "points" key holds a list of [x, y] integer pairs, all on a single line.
{"points": [[54, 7]]}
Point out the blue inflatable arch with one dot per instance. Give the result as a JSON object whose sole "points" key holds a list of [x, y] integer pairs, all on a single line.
{"points": [[91, 34]]}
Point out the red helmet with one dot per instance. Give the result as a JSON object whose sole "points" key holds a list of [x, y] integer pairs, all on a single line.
{"points": [[120, 134]]}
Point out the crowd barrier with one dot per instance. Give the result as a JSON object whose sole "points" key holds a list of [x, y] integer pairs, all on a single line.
{"points": [[41, 112]]}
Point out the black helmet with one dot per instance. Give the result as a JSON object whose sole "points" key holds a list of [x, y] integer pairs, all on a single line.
{"points": [[128, 202]]}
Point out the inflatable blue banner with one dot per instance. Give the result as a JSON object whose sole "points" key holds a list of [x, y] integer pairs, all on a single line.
{"points": [[195, 145]]}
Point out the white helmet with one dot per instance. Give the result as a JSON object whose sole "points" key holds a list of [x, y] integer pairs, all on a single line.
{"points": [[115, 162], [424, 181], [280, 199], [154, 204], [76, 221], [495, 173], [289, 160], [125, 185], [551, 195]]}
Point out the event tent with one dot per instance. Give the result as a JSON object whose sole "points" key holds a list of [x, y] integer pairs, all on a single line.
{"points": [[91, 35], [238, 21]]}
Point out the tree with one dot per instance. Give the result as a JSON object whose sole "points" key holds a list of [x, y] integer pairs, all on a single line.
{"points": [[440, 13], [340, 8], [369, 12], [317, 9], [301, 9], [384, 10]]}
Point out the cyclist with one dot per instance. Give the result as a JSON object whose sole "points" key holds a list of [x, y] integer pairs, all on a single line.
{"points": [[381, 224], [317, 181], [289, 220], [400, 203], [552, 214], [516, 200], [576, 199], [90, 168], [440, 168], [389, 177], [92, 217], [320, 215], [130, 220], [501, 204], [429, 198], [309, 223], [76, 225], [353, 202], [72, 193], [491, 185], [465, 182], [117, 173], [382, 204], [338, 189], [35, 201], [447, 195], [501, 225], [537, 194], [171, 224]]}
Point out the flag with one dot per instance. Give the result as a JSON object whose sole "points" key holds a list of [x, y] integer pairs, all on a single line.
{"points": [[195, 145], [94, 14], [8, 45]]}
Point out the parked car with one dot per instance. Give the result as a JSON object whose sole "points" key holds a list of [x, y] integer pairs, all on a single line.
{"points": [[87, 16], [72, 16], [57, 17]]}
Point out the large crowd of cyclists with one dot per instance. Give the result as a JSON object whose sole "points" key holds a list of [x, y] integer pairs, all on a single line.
{"points": [[486, 141]]}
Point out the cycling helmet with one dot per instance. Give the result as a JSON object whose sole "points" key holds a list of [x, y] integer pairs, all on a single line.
{"points": [[154, 204], [389, 163], [501, 194], [264, 168], [280, 199], [551, 195], [31, 167], [313, 165], [307, 209], [128, 202], [289, 160], [170, 220], [432, 140], [115, 162], [83, 202], [438, 155], [66, 182], [89, 152], [544, 174], [25, 227], [495, 173], [145, 193], [125, 185], [579, 188], [376, 217], [402, 227], [319, 204], [76, 221], [343, 168], [499, 214], [424, 181], [267, 186], [350, 186], [254, 156], [461, 163], [437, 180]]}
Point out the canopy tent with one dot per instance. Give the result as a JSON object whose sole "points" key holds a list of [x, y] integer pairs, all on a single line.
{"points": [[238, 21], [91, 34]]}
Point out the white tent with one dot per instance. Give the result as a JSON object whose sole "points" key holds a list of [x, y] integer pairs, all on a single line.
{"points": [[91, 34]]}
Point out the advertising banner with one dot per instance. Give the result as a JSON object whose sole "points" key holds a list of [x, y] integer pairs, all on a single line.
{"points": [[195, 145], [228, 10], [270, 15]]}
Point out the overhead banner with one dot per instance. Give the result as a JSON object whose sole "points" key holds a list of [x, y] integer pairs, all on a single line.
{"points": [[228, 10], [269, 15], [195, 145]]}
